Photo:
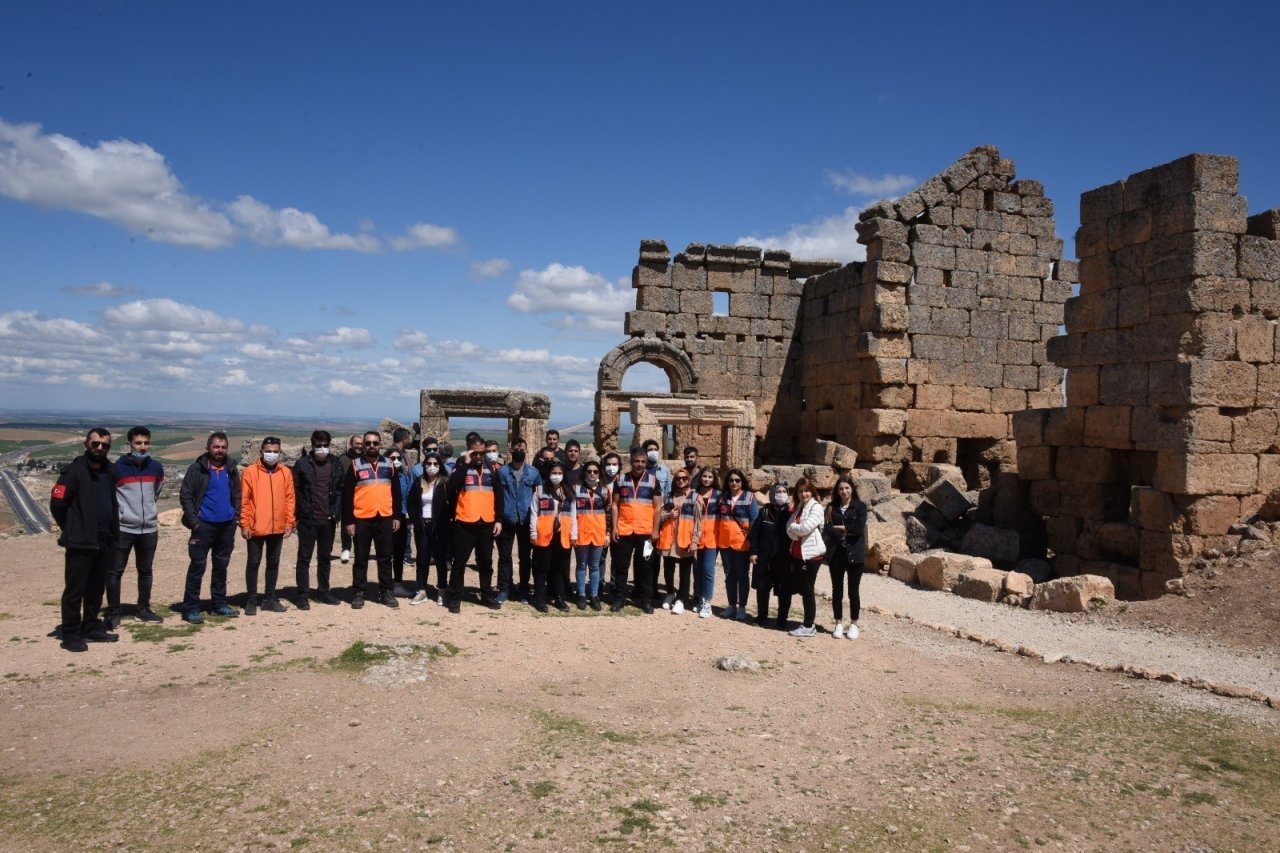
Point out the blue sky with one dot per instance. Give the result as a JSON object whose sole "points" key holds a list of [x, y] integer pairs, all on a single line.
{"points": [[319, 208]]}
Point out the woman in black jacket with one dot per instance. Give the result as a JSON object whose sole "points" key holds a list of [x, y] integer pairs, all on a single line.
{"points": [[428, 506], [846, 535], [771, 555]]}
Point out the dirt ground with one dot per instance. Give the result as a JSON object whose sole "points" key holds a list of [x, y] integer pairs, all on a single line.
{"points": [[531, 732]]}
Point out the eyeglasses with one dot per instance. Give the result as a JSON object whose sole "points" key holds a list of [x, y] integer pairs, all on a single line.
{"points": [[682, 479], [102, 445], [394, 458], [735, 480], [373, 444]]}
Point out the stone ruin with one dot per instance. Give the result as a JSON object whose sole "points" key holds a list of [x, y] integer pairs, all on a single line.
{"points": [[922, 365], [526, 413]]}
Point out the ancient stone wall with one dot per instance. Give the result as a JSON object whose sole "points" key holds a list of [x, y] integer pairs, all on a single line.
{"points": [[747, 353], [1168, 437], [920, 354]]}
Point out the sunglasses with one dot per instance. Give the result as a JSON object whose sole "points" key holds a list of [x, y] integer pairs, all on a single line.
{"points": [[99, 444]]}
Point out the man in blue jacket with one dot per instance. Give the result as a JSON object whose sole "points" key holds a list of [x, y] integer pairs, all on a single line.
{"points": [[518, 480], [138, 479], [210, 498], [83, 503]]}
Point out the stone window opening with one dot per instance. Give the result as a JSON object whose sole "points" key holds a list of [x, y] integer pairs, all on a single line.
{"points": [[720, 303]]}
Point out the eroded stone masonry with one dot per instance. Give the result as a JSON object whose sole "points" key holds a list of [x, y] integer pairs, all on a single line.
{"points": [[940, 358]]}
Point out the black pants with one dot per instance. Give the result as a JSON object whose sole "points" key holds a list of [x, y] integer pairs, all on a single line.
{"points": [[669, 570], [257, 544], [346, 539], [376, 532], [399, 540], [550, 565], [143, 546], [471, 536], [432, 541], [314, 535], [84, 580], [803, 574], [772, 575], [220, 538], [628, 551], [517, 535], [839, 568]]}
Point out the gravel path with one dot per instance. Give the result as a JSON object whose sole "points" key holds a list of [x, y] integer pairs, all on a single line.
{"points": [[1072, 635]]}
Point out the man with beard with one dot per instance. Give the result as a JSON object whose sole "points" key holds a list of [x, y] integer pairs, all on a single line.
{"points": [[370, 502], [210, 498], [317, 489], [477, 514], [518, 480], [83, 503]]}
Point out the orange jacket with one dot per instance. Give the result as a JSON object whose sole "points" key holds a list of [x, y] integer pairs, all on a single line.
{"points": [[266, 500]]}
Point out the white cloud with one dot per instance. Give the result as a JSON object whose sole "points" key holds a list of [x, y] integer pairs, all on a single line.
{"points": [[102, 288], [833, 237], [30, 326], [235, 378], [127, 183], [870, 186], [344, 336], [492, 268], [293, 228], [586, 299], [343, 388], [168, 315], [424, 235]]}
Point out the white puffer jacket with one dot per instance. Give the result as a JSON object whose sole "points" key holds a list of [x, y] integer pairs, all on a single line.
{"points": [[806, 526]]}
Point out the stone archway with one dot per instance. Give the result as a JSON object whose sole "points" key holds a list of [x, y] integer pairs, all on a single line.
{"points": [[612, 401]]}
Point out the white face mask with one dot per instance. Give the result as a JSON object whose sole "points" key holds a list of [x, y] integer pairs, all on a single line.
{"points": [[491, 456], [780, 499], [270, 457], [433, 468], [653, 455], [611, 470], [556, 479], [320, 452], [395, 463]]}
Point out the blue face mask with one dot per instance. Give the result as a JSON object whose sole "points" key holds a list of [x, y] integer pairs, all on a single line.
{"points": [[139, 455]]}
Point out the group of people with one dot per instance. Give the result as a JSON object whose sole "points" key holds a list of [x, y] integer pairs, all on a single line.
{"points": [[556, 521]]}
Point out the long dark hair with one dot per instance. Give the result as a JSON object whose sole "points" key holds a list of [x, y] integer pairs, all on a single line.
{"points": [[553, 488]]}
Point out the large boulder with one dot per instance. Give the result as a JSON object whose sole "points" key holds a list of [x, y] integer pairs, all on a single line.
{"points": [[895, 507], [884, 542], [1038, 570], [834, 454], [941, 570], [1072, 595], [919, 537], [981, 584], [1018, 589], [869, 485], [906, 566], [996, 544], [948, 498]]}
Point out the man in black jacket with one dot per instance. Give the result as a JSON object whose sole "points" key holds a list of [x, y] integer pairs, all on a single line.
{"points": [[317, 487], [84, 505]]}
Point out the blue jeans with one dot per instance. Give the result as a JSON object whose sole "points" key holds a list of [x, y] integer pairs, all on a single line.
{"points": [[706, 574], [220, 538], [589, 564], [737, 576]]}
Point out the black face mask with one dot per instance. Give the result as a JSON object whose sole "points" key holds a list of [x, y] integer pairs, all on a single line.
{"points": [[518, 456]]}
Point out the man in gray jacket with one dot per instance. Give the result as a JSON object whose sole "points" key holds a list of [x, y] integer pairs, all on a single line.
{"points": [[138, 479]]}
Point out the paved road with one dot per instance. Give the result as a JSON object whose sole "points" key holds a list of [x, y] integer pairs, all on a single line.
{"points": [[30, 513]]}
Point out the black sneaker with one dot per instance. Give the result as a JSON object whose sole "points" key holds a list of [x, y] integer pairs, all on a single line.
{"points": [[146, 614], [302, 603], [357, 601], [388, 599], [328, 597], [111, 619], [540, 606], [618, 604], [455, 606], [648, 607], [74, 644], [274, 605], [251, 607], [100, 635], [595, 603], [410, 561], [582, 602], [560, 605]]}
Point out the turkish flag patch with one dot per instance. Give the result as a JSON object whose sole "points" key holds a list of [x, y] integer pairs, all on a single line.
{"points": [[59, 491], [364, 475]]}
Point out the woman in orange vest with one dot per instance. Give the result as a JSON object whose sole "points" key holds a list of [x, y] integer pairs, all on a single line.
{"points": [[681, 526], [552, 518], [708, 497], [736, 513], [590, 532]]}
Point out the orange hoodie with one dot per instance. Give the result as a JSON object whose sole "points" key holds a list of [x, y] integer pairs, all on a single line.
{"points": [[266, 499]]}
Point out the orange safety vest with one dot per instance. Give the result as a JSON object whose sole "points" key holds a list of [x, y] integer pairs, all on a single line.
{"points": [[372, 496], [677, 529], [707, 540], [593, 516], [553, 518], [635, 504], [475, 501], [733, 520]]}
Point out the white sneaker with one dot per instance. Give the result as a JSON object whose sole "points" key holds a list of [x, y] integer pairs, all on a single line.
{"points": [[704, 611], [852, 633], [677, 608], [668, 601], [802, 631], [728, 612], [838, 633], [420, 598], [742, 614], [346, 557]]}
